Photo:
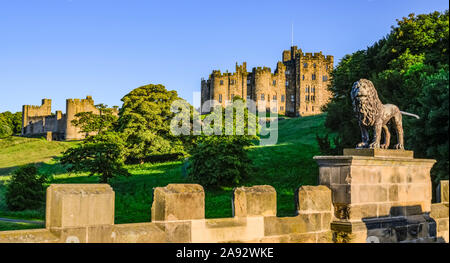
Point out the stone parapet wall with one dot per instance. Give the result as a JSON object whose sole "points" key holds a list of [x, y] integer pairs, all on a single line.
{"points": [[85, 213]]}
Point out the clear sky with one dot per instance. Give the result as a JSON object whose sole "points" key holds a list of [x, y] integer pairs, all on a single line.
{"points": [[62, 49]]}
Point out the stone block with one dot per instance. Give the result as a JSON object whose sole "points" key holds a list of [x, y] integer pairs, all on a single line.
{"points": [[79, 205], [444, 191], [259, 200], [314, 199], [138, 233], [274, 226], [341, 194], [178, 202], [362, 211], [379, 153]]}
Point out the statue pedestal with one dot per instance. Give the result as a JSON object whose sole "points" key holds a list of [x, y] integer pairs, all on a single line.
{"points": [[379, 195]]}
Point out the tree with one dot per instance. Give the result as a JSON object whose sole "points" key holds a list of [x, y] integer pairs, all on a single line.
{"points": [[102, 154], [90, 122], [25, 189], [144, 122], [10, 123], [222, 160]]}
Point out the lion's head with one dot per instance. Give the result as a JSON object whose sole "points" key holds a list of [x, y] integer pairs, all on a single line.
{"points": [[366, 103]]}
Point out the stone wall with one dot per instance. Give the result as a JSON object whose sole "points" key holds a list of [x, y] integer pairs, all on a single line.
{"points": [[439, 212], [85, 213]]}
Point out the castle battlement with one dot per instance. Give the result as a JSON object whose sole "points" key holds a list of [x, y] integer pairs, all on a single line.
{"points": [[38, 120]]}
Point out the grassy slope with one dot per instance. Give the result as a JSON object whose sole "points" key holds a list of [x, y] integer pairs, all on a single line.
{"points": [[286, 166], [16, 151]]}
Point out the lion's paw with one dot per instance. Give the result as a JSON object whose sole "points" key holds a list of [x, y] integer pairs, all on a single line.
{"points": [[384, 146], [361, 145], [399, 146], [374, 145]]}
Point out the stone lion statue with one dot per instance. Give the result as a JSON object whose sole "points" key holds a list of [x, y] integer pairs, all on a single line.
{"points": [[372, 113]]}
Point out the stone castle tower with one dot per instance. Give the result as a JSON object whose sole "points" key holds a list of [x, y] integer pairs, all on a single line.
{"points": [[298, 85], [39, 120]]}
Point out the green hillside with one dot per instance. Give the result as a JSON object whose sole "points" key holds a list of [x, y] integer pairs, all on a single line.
{"points": [[16, 151], [286, 166]]}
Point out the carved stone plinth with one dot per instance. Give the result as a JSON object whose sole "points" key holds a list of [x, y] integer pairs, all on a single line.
{"points": [[379, 195]]}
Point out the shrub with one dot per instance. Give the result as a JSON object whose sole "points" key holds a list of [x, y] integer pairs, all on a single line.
{"points": [[26, 189], [220, 161], [102, 154]]}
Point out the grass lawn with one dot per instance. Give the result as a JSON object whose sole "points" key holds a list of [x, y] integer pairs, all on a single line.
{"points": [[286, 166]]}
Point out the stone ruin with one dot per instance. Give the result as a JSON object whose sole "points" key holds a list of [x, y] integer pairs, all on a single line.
{"points": [[39, 120]]}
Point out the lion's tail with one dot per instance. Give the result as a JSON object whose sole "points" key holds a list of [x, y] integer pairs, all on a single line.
{"points": [[410, 114]]}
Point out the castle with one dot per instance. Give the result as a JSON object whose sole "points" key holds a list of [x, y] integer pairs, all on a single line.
{"points": [[298, 85], [39, 120]]}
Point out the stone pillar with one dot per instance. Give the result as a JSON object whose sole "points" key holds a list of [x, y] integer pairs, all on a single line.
{"points": [[80, 212], [175, 207], [379, 195], [440, 211], [259, 200]]}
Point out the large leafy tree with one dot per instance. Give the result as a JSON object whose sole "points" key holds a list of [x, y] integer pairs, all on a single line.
{"points": [[407, 68], [144, 122]]}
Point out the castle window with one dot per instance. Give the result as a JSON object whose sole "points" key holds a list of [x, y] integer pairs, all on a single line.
{"points": [[292, 98], [221, 82], [303, 77], [326, 67], [313, 76], [248, 97], [313, 90], [287, 83], [305, 65], [306, 107], [220, 98], [298, 77], [287, 71], [232, 82], [312, 108], [281, 108], [306, 90], [313, 98], [232, 96], [248, 81], [325, 78], [262, 96], [282, 98], [314, 65], [274, 97], [274, 82]]}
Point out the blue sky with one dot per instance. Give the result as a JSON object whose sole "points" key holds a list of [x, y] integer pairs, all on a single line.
{"points": [[62, 49]]}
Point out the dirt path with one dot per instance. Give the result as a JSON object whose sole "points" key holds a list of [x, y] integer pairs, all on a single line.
{"points": [[21, 221]]}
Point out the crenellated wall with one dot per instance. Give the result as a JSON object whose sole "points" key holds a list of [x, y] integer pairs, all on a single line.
{"points": [[85, 213], [39, 120]]}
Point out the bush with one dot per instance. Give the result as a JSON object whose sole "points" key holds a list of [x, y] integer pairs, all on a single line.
{"points": [[102, 154], [26, 189], [220, 161]]}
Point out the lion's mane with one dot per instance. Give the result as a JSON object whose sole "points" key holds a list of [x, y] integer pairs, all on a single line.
{"points": [[366, 107]]}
